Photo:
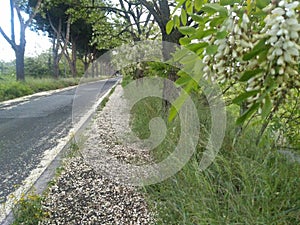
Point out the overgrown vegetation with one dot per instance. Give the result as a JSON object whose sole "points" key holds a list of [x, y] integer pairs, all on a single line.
{"points": [[246, 184], [29, 210], [10, 89]]}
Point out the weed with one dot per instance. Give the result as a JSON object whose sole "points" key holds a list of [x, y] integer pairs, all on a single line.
{"points": [[246, 184], [29, 210]]}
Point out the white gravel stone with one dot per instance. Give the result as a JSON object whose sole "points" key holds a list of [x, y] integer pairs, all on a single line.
{"points": [[82, 195]]}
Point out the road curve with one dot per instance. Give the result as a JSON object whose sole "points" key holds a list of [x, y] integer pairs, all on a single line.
{"points": [[31, 127]]}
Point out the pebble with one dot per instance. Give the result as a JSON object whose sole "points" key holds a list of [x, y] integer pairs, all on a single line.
{"points": [[81, 195]]}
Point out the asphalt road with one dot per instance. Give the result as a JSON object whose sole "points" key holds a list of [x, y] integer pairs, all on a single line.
{"points": [[29, 128]]}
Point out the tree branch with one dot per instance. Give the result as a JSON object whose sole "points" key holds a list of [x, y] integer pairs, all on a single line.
{"points": [[155, 14], [13, 44], [12, 22], [36, 10]]}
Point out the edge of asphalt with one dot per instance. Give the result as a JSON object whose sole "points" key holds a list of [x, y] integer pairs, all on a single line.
{"points": [[39, 177]]}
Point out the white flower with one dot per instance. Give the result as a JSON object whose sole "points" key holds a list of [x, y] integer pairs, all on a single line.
{"points": [[281, 71], [271, 57], [280, 19], [273, 39], [287, 57], [290, 13], [268, 8], [295, 27], [280, 60], [294, 35], [291, 21], [278, 51], [292, 5], [278, 11], [293, 51], [245, 18], [287, 44]]}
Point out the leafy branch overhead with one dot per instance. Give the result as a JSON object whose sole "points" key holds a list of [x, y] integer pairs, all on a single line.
{"points": [[249, 45]]}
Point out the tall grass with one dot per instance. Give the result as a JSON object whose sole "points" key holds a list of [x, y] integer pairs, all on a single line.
{"points": [[10, 89], [246, 184]]}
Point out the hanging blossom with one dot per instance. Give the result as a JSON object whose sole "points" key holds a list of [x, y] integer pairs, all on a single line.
{"points": [[282, 33], [227, 63]]}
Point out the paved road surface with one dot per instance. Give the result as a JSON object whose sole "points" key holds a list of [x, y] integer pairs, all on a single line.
{"points": [[29, 128]]}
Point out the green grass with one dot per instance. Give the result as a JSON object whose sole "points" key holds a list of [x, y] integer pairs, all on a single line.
{"points": [[10, 89], [29, 210], [105, 100], [246, 184]]}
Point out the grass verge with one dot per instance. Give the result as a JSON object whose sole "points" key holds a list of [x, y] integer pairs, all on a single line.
{"points": [[246, 184], [10, 88], [105, 100]]}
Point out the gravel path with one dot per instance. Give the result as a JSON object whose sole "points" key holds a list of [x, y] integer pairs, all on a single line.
{"points": [[82, 195]]}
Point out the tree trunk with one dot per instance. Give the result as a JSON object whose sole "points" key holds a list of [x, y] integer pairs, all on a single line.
{"points": [[74, 59], [97, 68], [86, 65], [20, 50], [56, 60], [55, 48], [168, 48]]}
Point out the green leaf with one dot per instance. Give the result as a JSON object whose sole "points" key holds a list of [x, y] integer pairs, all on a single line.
{"points": [[198, 4], [176, 21], [211, 49], [188, 59], [242, 97], [213, 8], [179, 54], [228, 2], [184, 41], [177, 104], [262, 3], [247, 114], [249, 74], [267, 107], [183, 17], [178, 5], [169, 26], [182, 80], [187, 30], [189, 7], [200, 34], [263, 56], [196, 46], [215, 22], [260, 47], [197, 18], [221, 34]]}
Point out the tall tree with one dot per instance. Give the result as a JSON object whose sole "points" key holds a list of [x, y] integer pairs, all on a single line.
{"points": [[19, 48], [54, 20]]}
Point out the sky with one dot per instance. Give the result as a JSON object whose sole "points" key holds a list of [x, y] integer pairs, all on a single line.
{"points": [[35, 43]]}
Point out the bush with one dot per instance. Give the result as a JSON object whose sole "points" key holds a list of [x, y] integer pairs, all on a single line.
{"points": [[14, 90], [10, 89]]}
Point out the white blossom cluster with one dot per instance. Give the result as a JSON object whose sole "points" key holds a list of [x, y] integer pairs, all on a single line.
{"points": [[282, 28], [227, 62], [282, 33]]}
